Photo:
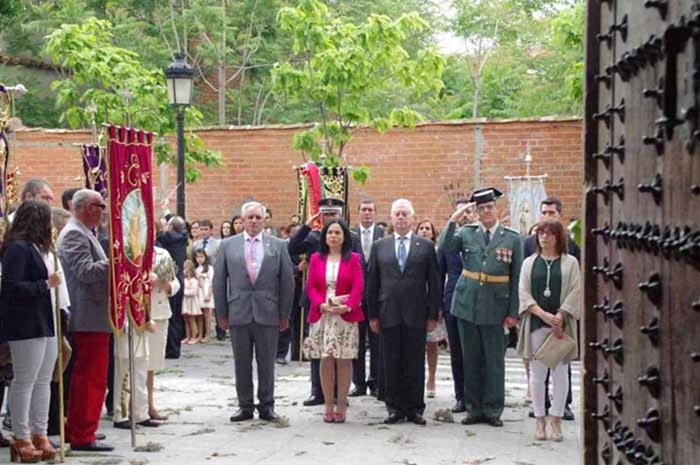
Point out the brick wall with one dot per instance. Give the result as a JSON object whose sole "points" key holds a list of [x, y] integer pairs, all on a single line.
{"points": [[412, 163]]}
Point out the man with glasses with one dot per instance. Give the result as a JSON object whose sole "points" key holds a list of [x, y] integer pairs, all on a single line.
{"points": [[87, 276], [485, 302]]}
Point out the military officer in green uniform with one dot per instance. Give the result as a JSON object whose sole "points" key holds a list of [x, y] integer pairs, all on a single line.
{"points": [[485, 303]]}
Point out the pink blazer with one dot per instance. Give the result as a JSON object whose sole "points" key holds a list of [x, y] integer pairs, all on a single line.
{"points": [[350, 282]]}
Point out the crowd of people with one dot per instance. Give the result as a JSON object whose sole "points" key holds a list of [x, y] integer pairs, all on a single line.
{"points": [[321, 291]]}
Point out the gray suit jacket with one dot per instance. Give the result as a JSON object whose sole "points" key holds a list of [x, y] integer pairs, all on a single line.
{"points": [[87, 277], [267, 301]]}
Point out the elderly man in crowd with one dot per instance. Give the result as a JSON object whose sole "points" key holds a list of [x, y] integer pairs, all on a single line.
{"points": [[403, 300], [87, 276], [253, 292]]}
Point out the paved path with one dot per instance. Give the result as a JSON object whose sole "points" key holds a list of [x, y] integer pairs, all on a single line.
{"points": [[198, 393]]}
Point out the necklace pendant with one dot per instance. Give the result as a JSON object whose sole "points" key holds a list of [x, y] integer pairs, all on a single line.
{"points": [[547, 293]]}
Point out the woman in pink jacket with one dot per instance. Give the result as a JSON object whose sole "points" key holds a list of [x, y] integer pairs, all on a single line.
{"points": [[335, 286]]}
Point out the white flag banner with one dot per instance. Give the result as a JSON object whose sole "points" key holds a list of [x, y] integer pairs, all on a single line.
{"points": [[525, 193]]}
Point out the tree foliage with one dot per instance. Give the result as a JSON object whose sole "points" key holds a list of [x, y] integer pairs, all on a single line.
{"points": [[522, 57], [344, 69], [108, 83]]}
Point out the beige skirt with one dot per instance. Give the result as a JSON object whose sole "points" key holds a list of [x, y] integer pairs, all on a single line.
{"points": [[156, 345], [331, 336]]}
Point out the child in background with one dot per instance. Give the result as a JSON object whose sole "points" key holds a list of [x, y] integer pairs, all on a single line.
{"points": [[190, 303], [205, 274]]}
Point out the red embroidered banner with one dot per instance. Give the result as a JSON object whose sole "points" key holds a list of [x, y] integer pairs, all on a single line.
{"points": [[131, 224]]}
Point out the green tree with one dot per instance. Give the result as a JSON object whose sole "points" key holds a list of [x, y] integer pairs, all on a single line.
{"points": [[109, 84], [353, 74]]}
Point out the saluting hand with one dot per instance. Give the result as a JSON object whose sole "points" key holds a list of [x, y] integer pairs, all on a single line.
{"points": [[460, 211], [310, 221]]}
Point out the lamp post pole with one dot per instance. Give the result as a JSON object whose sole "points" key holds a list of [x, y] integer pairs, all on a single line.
{"points": [[181, 162], [179, 76]]}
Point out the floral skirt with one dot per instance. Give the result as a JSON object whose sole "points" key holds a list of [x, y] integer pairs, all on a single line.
{"points": [[331, 336]]}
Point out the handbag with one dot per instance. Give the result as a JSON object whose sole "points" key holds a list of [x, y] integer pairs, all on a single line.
{"points": [[554, 350]]}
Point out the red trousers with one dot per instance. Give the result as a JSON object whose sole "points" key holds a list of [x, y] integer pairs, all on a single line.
{"points": [[88, 386]]}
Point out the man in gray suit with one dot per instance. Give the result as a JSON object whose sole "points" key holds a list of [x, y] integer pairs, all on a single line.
{"points": [[253, 292], [87, 276]]}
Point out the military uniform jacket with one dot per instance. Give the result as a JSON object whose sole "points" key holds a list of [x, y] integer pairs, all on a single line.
{"points": [[487, 291]]}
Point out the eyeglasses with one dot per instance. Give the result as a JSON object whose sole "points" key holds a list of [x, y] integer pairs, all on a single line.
{"points": [[100, 205]]}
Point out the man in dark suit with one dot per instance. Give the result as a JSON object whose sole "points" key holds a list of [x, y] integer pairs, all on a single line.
{"points": [[368, 232], [305, 242], [403, 299], [253, 289], [450, 264], [174, 240], [550, 209], [485, 302]]}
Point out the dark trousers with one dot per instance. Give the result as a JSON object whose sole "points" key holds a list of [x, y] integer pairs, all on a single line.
{"points": [[176, 326], [316, 389], [295, 324], [283, 342], [404, 362], [88, 386], [455, 355], [260, 340], [359, 372], [483, 357]]}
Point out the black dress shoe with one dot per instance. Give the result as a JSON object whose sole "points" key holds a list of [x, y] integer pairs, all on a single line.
{"points": [[459, 407], [393, 418], [281, 361], [314, 400], [268, 415], [358, 391], [149, 423], [568, 414], [100, 436], [374, 393], [494, 422], [417, 419], [94, 446], [122, 424], [471, 420], [241, 415]]}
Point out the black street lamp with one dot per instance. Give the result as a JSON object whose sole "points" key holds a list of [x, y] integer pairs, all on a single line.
{"points": [[179, 76]]}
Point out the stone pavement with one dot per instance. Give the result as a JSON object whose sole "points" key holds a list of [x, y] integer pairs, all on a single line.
{"points": [[198, 394]]}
